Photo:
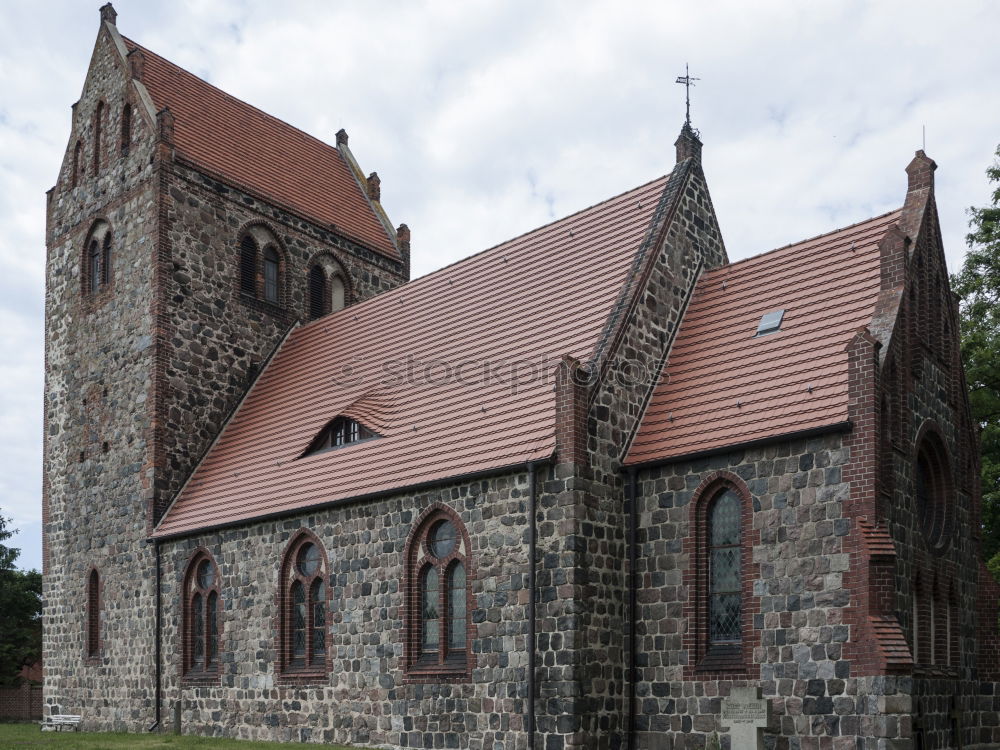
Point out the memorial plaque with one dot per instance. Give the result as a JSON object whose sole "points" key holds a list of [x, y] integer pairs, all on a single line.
{"points": [[744, 715]]}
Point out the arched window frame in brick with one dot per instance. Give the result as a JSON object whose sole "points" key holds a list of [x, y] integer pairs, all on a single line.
{"points": [[96, 259], [313, 668], [323, 273], [195, 620], [254, 242], [931, 453], [718, 661], [447, 663], [93, 643]]}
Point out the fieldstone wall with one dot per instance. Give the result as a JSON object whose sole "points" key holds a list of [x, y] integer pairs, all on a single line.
{"points": [[367, 699], [216, 338], [97, 385], [582, 524], [794, 591]]}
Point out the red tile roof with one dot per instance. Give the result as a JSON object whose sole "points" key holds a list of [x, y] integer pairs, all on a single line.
{"points": [[522, 304], [724, 386], [251, 149]]}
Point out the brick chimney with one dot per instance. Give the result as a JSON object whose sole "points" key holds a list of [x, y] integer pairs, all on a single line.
{"points": [[688, 144]]}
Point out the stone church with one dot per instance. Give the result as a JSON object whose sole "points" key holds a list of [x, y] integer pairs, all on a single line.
{"points": [[570, 492]]}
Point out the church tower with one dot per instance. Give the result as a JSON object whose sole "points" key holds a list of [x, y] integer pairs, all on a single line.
{"points": [[173, 271]]}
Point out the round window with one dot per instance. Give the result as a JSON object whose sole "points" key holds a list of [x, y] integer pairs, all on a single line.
{"points": [[442, 539], [308, 559]]}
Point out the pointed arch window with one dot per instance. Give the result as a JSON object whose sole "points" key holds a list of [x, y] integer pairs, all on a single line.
{"points": [[96, 272], [317, 293], [338, 433], [438, 622], [724, 553], [126, 134], [304, 601], [272, 268], [721, 606], [248, 265], [202, 618], [93, 629]]}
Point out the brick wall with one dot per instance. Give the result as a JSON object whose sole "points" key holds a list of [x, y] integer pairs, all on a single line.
{"points": [[23, 703]]}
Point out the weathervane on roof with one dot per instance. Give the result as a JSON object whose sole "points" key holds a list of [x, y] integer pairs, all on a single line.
{"points": [[688, 82]]}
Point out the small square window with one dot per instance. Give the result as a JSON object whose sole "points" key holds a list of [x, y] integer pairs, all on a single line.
{"points": [[770, 323]]}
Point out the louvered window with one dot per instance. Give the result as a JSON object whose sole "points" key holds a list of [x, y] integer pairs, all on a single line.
{"points": [[248, 265], [317, 293]]}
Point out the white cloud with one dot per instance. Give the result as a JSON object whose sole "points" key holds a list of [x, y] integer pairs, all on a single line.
{"points": [[485, 119]]}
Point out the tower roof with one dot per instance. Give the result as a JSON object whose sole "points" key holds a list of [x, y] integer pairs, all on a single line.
{"points": [[228, 138]]}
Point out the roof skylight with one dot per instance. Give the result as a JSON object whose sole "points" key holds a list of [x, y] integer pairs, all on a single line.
{"points": [[770, 323]]}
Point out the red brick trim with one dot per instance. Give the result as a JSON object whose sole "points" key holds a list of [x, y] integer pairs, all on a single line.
{"points": [[313, 673], [341, 271], [189, 675], [739, 663], [415, 560], [572, 389], [284, 288], [93, 632]]}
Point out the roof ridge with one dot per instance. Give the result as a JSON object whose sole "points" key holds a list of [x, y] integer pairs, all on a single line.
{"points": [[226, 94], [389, 293], [809, 239]]}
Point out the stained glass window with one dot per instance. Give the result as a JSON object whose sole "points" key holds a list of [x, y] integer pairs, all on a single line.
{"points": [[442, 539], [724, 569], [212, 626], [198, 631], [206, 574], [309, 559], [429, 611], [319, 618], [304, 622], [456, 608], [298, 621], [439, 569]]}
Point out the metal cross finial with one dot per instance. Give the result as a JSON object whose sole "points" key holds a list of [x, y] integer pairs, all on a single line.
{"points": [[688, 82]]}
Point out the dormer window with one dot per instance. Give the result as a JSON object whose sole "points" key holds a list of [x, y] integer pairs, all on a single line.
{"points": [[338, 433]]}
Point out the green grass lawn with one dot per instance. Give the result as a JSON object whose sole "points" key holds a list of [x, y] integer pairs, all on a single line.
{"points": [[14, 736]]}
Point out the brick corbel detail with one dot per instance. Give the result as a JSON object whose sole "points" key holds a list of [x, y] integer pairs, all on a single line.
{"points": [[572, 394], [871, 574]]}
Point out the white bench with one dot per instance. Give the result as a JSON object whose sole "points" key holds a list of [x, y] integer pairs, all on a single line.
{"points": [[58, 722]]}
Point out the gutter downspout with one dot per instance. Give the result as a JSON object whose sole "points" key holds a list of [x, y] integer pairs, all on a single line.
{"points": [[158, 657], [532, 532], [633, 523]]}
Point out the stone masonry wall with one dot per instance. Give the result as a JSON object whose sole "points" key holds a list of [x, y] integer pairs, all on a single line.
{"points": [[218, 337], [97, 384], [581, 537], [794, 594], [367, 698]]}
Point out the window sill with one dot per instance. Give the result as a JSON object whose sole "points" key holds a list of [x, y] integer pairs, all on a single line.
{"points": [[457, 671], [194, 679], [303, 677], [722, 658], [271, 308], [939, 671]]}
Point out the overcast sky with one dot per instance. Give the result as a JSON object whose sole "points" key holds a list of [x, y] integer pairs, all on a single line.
{"points": [[486, 119]]}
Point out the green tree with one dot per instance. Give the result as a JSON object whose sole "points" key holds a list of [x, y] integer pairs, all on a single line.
{"points": [[20, 611], [978, 285]]}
